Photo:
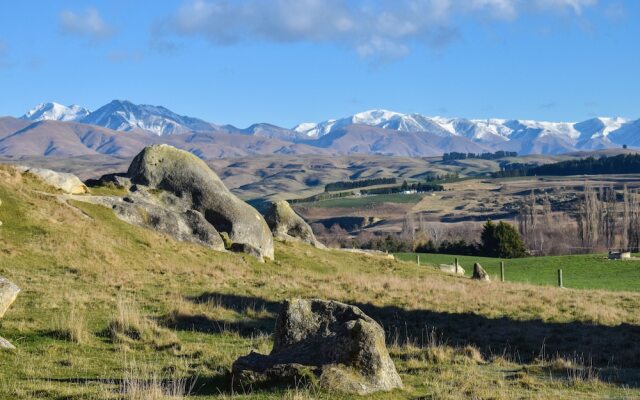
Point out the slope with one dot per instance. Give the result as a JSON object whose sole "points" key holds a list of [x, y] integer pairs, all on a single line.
{"points": [[54, 138]]}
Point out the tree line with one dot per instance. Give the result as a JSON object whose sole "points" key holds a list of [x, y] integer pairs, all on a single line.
{"points": [[346, 185], [500, 240], [483, 156], [620, 164]]}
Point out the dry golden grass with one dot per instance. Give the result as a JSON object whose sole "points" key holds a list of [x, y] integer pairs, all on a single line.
{"points": [[130, 327], [71, 325]]}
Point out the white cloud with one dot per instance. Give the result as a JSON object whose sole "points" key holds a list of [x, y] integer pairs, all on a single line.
{"points": [[87, 24], [373, 28]]}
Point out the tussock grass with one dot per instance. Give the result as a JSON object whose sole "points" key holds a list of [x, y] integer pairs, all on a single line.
{"points": [[71, 325], [130, 327], [142, 382]]}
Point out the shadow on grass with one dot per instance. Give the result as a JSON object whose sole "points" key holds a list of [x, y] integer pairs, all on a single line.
{"points": [[609, 347], [246, 327], [192, 386]]}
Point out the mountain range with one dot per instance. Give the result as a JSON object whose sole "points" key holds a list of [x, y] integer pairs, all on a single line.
{"points": [[121, 128]]}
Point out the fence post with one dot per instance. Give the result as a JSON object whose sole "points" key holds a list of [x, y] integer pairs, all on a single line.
{"points": [[560, 284], [418, 260], [456, 264], [502, 271]]}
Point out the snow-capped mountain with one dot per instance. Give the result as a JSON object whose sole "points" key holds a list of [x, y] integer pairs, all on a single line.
{"points": [[379, 118], [375, 131], [525, 136], [55, 112], [122, 115]]}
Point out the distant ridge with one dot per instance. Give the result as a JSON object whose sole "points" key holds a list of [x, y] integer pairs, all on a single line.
{"points": [[369, 132]]}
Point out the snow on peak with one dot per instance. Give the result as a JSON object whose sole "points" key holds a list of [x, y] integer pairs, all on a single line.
{"points": [[122, 115], [56, 112], [374, 117]]}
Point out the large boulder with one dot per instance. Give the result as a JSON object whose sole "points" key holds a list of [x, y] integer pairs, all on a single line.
{"points": [[188, 177], [65, 182], [285, 224], [8, 294], [337, 342]]}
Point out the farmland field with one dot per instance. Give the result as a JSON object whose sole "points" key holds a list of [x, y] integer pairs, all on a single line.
{"points": [[591, 271], [365, 201]]}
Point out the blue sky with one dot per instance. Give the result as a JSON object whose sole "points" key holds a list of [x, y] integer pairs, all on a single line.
{"points": [[291, 61]]}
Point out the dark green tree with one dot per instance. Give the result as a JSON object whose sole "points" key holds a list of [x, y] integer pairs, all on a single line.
{"points": [[502, 240]]}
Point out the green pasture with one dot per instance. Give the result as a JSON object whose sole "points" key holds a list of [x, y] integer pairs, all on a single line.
{"points": [[592, 271]]}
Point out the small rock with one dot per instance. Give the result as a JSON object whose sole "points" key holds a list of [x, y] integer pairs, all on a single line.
{"points": [[451, 269], [8, 294], [5, 344], [479, 273]]}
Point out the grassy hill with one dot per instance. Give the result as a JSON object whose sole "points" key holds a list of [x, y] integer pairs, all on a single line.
{"points": [[109, 310]]}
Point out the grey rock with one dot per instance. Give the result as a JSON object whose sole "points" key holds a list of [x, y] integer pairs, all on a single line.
{"points": [[246, 249], [451, 269], [337, 342], [8, 294], [285, 224], [118, 180], [5, 344], [479, 273], [190, 179], [65, 182], [161, 214]]}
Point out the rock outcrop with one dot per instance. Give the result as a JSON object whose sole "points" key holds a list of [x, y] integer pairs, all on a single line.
{"points": [[65, 182], [336, 342], [285, 224], [187, 177], [479, 273], [8, 294]]}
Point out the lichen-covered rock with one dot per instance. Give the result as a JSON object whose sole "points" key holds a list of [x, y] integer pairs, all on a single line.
{"points": [[286, 224], [188, 177], [479, 273], [8, 294], [343, 347], [451, 269], [184, 225], [68, 183]]}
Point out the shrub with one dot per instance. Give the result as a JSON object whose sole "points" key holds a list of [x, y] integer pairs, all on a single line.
{"points": [[502, 240]]}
